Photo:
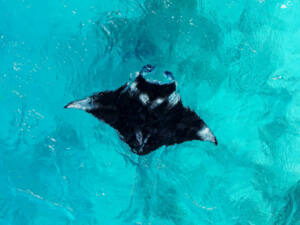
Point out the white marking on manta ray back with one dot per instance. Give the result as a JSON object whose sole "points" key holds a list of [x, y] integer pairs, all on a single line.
{"points": [[206, 134], [174, 98], [144, 98], [157, 102], [133, 87]]}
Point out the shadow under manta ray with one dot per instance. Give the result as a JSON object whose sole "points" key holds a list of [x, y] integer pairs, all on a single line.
{"points": [[147, 114]]}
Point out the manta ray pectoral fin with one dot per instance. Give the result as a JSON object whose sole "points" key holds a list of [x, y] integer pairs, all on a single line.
{"points": [[205, 134], [84, 104]]}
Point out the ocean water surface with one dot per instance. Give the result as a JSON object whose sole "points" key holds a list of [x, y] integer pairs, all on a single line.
{"points": [[237, 65]]}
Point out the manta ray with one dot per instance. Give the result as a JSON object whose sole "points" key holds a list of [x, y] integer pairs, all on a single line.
{"points": [[147, 114]]}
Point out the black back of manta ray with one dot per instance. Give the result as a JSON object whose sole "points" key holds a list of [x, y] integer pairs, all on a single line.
{"points": [[147, 115]]}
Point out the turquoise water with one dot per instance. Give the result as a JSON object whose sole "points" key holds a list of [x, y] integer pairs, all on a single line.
{"points": [[237, 65]]}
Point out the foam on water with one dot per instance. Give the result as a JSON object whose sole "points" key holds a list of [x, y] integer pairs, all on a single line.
{"points": [[236, 65]]}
